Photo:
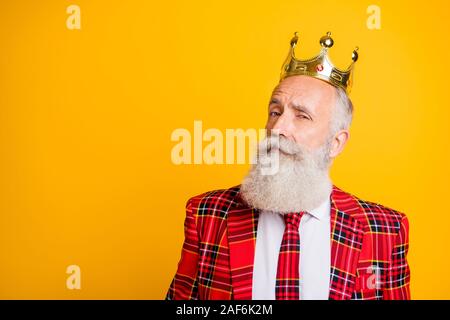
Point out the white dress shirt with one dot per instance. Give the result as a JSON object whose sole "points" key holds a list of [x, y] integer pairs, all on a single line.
{"points": [[314, 254]]}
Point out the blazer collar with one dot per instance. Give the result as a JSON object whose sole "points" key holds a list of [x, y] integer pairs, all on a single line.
{"points": [[346, 242]]}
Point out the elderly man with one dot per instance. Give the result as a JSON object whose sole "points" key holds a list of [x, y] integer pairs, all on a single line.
{"points": [[292, 234]]}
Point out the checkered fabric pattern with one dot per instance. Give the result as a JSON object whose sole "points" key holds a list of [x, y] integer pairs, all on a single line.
{"points": [[287, 285], [369, 247]]}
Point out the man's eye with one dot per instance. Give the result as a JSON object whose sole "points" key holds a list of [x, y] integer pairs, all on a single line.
{"points": [[302, 116], [274, 114]]}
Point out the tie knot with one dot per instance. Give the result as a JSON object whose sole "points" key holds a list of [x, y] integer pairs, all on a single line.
{"points": [[293, 218]]}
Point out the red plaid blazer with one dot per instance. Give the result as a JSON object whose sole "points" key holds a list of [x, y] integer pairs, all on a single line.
{"points": [[369, 244]]}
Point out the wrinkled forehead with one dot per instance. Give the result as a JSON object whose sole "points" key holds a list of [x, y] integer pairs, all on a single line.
{"points": [[305, 90]]}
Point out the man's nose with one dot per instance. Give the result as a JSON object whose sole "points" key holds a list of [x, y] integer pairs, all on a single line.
{"points": [[283, 125]]}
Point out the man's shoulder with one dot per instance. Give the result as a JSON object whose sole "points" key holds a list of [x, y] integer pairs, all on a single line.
{"points": [[376, 216], [371, 207], [219, 200]]}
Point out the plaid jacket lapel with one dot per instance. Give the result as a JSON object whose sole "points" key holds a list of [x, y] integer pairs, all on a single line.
{"points": [[346, 243], [242, 225]]}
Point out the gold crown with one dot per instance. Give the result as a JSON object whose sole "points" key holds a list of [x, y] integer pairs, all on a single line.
{"points": [[320, 66]]}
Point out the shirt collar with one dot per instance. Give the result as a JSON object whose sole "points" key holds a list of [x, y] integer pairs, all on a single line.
{"points": [[322, 210]]}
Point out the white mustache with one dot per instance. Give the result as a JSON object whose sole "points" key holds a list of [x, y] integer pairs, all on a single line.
{"points": [[274, 142]]}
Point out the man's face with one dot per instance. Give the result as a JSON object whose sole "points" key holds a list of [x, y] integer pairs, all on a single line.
{"points": [[301, 109]]}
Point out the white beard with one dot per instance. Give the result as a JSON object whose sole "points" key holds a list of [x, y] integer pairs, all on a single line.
{"points": [[301, 182]]}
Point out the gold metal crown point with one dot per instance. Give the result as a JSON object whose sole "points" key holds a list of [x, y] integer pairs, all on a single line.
{"points": [[320, 66]]}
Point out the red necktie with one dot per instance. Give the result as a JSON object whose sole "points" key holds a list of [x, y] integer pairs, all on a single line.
{"points": [[288, 276]]}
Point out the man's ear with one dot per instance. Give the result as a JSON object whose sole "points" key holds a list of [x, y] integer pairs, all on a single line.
{"points": [[338, 143]]}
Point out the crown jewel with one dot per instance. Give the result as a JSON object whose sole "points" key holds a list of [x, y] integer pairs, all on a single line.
{"points": [[320, 66]]}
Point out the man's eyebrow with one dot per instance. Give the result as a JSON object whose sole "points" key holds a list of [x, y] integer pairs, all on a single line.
{"points": [[302, 108], [298, 107], [274, 100]]}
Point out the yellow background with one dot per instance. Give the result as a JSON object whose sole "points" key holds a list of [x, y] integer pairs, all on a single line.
{"points": [[86, 118]]}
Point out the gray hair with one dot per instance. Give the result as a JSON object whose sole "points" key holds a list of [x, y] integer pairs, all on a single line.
{"points": [[342, 113]]}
